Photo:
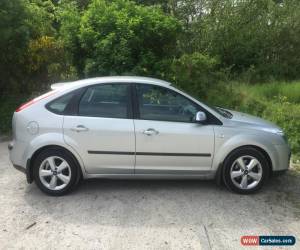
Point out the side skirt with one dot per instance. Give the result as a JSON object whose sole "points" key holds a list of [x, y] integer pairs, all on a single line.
{"points": [[207, 175]]}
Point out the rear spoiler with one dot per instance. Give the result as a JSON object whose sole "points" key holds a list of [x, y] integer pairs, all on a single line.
{"points": [[59, 85]]}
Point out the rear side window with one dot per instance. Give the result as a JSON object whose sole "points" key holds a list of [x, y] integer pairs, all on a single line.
{"points": [[59, 105], [105, 100]]}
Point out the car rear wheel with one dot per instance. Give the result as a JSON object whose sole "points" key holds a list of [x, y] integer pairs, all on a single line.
{"points": [[55, 172], [245, 170]]}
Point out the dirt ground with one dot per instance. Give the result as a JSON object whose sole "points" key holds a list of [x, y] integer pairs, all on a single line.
{"points": [[121, 214]]}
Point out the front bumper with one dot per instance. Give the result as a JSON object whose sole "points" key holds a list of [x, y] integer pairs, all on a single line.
{"points": [[281, 156], [279, 172]]}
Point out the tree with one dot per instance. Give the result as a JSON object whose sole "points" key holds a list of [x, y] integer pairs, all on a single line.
{"points": [[121, 38], [14, 39], [69, 18], [258, 38], [196, 73], [21, 22]]}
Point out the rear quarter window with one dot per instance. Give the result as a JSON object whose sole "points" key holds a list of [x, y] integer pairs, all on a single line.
{"points": [[59, 105]]}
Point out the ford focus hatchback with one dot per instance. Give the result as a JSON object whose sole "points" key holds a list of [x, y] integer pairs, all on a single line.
{"points": [[136, 127]]}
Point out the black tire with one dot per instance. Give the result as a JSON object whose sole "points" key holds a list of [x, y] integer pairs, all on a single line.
{"points": [[73, 170], [245, 152]]}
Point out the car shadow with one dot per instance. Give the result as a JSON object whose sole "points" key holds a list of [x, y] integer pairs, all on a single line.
{"points": [[164, 203]]}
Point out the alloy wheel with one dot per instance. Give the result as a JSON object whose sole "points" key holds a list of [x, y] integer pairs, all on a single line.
{"points": [[55, 173], [246, 172]]}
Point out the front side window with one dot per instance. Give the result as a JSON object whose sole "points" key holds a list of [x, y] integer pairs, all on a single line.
{"points": [[162, 104], [105, 100]]}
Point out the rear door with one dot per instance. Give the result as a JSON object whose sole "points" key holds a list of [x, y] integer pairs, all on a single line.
{"points": [[168, 140], [102, 132]]}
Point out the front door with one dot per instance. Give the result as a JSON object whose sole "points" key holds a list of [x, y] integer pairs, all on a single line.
{"points": [[103, 131], [168, 140]]}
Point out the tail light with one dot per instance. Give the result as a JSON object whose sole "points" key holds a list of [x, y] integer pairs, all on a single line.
{"points": [[35, 100]]}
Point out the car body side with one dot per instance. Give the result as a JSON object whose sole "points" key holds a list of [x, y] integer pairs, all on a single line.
{"points": [[227, 137]]}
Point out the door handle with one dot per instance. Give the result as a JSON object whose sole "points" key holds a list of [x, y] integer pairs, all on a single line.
{"points": [[150, 131], [80, 128]]}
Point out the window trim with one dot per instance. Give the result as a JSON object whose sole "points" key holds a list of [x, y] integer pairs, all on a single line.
{"points": [[212, 119], [135, 102], [72, 108]]}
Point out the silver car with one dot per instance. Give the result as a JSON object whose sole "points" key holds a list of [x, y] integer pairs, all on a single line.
{"points": [[136, 127]]}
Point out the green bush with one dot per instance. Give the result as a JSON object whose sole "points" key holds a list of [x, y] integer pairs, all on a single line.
{"points": [[276, 109], [119, 37], [196, 73], [287, 116], [7, 108]]}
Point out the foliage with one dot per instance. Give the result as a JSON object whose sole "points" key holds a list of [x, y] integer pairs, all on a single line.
{"points": [[259, 38], [196, 73], [68, 15], [22, 22], [253, 40], [287, 116], [14, 39], [270, 91], [7, 107], [122, 37], [282, 108], [206, 47], [279, 103], [46, 62]]}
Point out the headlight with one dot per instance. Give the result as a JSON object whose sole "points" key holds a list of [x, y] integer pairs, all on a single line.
{"points": [[281, 133], [277, 132]]}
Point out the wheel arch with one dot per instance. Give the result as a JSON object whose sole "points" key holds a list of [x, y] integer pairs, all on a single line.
{"points": [[219, 171], [30, 161]]}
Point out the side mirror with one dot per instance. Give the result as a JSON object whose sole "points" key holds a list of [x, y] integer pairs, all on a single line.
{"points": [[200, 117]]}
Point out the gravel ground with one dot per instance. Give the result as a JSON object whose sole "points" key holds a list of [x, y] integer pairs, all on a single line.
{"points": [[120, 214]]}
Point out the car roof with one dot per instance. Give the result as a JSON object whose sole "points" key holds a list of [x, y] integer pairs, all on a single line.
{"points": [[110, 79]]}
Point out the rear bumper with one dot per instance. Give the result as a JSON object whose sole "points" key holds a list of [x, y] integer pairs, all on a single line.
{"points": [[17, 153], [10, 146], [15, 161], [21, 169], [25, 171]]}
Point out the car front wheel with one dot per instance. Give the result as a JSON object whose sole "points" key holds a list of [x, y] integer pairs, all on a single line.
{"points": [[245, 170]]}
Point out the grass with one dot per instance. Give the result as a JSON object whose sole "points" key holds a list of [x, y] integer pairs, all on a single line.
{"points": [[270, 91]]}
